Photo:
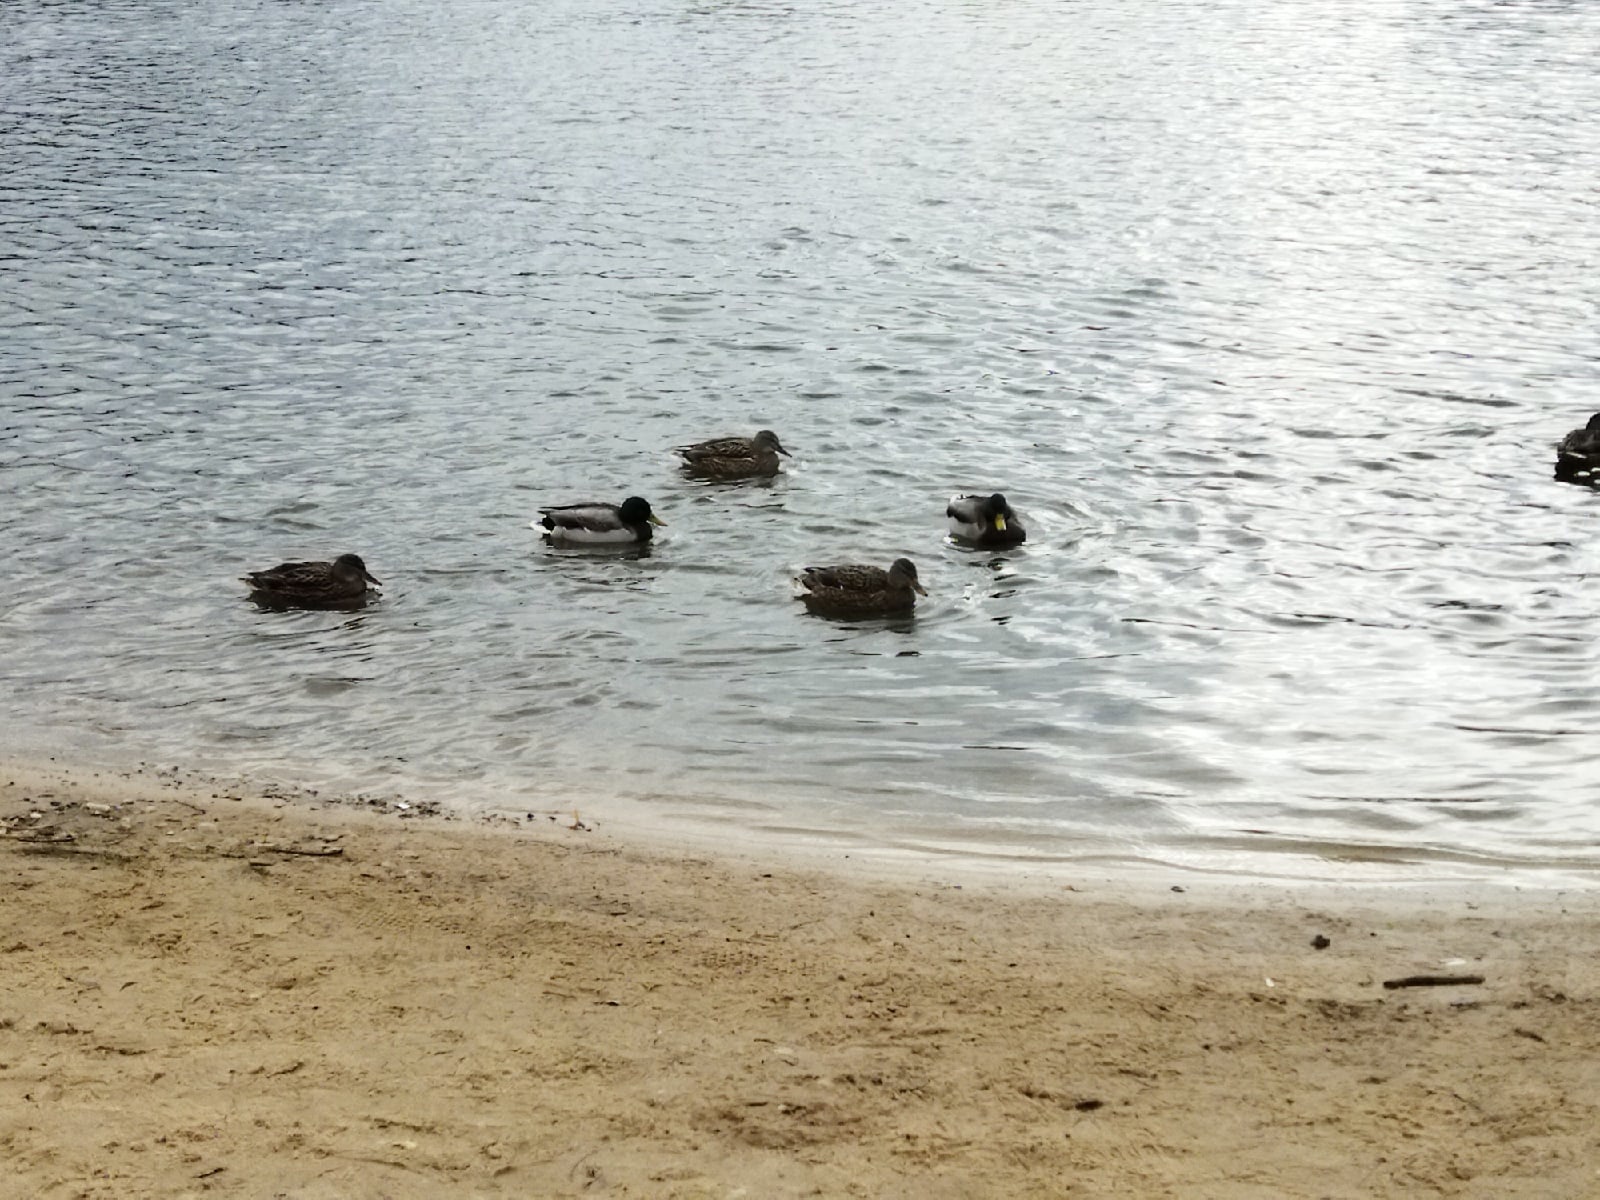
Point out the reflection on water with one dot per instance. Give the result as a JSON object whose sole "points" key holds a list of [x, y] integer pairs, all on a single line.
{"points": [[1266, 317]]}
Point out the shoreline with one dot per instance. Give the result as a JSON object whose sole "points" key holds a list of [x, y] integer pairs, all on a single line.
{"points": [[1247, 859], [273, 995]]}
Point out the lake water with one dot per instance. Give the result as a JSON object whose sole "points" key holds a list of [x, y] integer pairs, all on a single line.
{"points": [[1266, 316]]}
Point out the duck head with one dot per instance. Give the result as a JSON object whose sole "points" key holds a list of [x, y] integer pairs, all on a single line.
{"points": [[767, 440], [350, 566], [998, 511], [636, 509], [903, 573]]}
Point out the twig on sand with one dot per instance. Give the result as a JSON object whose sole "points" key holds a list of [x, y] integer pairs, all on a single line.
{"points": [[1431, 981], [67, 847], [322, 851]]}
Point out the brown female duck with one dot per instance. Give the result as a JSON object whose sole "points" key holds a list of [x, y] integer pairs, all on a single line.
{"points": [[734, 457], [853, 590], [341, 583]]}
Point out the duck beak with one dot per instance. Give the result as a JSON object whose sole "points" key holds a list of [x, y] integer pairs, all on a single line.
{"points": [[783, 452], [371, 578], [921, 591], [655, 520], [999, 522]]}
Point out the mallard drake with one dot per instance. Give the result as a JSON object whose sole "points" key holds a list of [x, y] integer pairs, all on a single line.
{"points": [[734, 457], [595, 524], [853, 590], [985, 521], [1578, 454], [341, 583]]}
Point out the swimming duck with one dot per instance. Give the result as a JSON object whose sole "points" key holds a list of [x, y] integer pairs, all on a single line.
{"points": [[852, 590], [734, 457], [595, 524], [985, 521], [339, 584], [1578, 454]]}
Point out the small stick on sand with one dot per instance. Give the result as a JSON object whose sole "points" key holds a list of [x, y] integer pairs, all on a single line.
{"points": [[1431, 981]]}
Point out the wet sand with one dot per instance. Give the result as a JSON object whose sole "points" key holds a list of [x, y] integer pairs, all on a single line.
{"points": [[207, 992]]}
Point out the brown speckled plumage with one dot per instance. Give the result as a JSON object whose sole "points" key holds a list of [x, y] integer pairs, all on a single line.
{"points": [[854, 590], [733, 457], [341, 583]]}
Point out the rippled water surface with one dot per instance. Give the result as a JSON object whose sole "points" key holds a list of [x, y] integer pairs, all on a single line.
{"points": [[1266, 315]]}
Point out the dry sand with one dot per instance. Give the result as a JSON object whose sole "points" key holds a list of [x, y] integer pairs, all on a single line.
{"points": [[207, 996]]}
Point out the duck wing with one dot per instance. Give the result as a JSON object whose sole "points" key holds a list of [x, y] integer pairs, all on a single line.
{"points": [[292, 577], [728, 447], [592, 517], [1580, 443], [850, 577], [965, 509]]}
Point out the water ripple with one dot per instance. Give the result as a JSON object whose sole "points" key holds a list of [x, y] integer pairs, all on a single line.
{"points": [[1266, 318]]}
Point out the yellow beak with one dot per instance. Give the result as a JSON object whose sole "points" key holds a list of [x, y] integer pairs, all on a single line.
{"points": [[999, 522], [655, 520]]}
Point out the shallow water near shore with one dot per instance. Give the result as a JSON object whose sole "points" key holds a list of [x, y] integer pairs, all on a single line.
{"points": [[1265, 318]]}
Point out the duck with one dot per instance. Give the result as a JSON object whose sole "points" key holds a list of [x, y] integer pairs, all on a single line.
{"points": [[734, 457], [985, 521], [595, 524], [341, 583], [854, 590], [1578, 454]]}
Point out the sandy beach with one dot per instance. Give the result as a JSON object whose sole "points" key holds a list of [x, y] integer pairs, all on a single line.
{"points": [[219, 992]]}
